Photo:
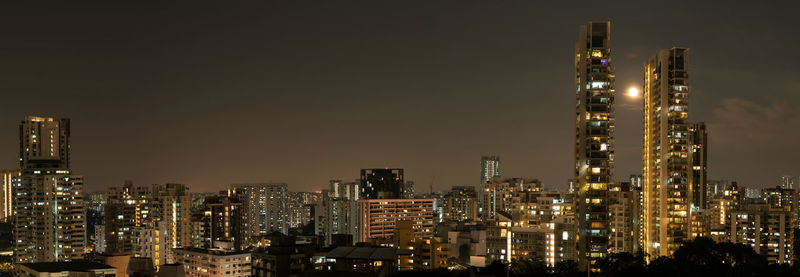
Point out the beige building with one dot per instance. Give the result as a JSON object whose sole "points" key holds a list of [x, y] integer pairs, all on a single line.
{"points": [[623, 208], [49, 213], [379, 217], [668, 175], [213, 262], [6, 193], [553, 241], [171, 213], [498, 194], [459, 204]]}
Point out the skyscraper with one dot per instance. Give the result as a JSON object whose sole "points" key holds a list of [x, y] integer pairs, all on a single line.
{"points": [[667, 168], [490, 168], [382, 183], [594, 137], [50, 218], [698, 159], [263, 207], [223, 224], [6, 195]]}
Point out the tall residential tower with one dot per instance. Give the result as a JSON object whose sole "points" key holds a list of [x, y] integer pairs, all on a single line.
{"points": [[49, 215], [594, 137], [667, 162]]}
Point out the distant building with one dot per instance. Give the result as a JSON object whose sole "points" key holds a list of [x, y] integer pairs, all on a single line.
{"points": [[264, 207], [222, 222], [282, 259], [100, 238], [466, 240], [213, 262], [459, 204], [74, 268], [382, 183], [768, 229], [698, 160], [490, 168], [498, 194], [299, 208], [6, 193], [379, 216], [788, 181], [127, 210], [374, 261], [171, 213], [337, 212], [552, 242]]}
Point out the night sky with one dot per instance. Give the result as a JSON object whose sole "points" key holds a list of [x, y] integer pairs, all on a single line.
{"points": [[210, 93]]}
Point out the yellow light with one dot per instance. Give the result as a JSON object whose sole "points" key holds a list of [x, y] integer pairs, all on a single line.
{"points": [[633, 92]]}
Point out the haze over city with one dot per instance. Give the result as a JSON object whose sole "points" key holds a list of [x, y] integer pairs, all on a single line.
{"points": [[209, 95]]}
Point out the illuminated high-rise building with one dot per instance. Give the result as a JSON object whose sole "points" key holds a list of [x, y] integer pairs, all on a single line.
{"points": [[459, 204], [490, 168], [49, 214], [698, 160], [594, 138], [498, 194], [127, 210], [6, 193], [667, 162], [171, 212], [264, 207]]}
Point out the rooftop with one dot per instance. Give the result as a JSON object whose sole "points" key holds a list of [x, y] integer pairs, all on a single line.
{"points": [[66, 266], [363, 253]]}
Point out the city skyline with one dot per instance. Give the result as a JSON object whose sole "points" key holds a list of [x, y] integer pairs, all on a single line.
{"points": [[187, 120]]}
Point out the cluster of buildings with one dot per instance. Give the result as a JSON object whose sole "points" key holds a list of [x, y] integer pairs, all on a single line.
{"points": [[378, 225]]}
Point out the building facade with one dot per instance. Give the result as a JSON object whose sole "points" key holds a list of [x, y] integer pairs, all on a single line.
{"points": [[127, 211], [498, 194], [49, 213], [459, 204], [594, 137], [490, 168], [6, 193], [768, 229], [382, 183], [213, 262], [378, 217], [264, 207], [698, 159], [667, 171]]}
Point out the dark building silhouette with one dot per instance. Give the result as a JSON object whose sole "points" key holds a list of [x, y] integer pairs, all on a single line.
{"points": [[382, 183]]}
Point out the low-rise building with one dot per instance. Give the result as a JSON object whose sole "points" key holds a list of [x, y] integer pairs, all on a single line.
{"points": [[74, 268], [213, 262]]}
